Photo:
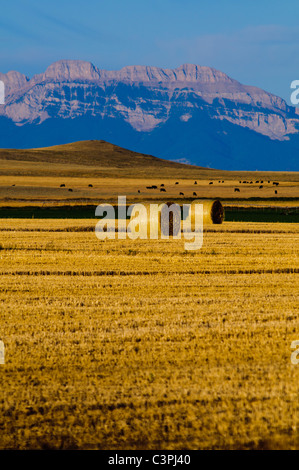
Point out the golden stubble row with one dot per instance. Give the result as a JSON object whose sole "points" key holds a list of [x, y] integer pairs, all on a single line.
{"points": [[141, 345]]}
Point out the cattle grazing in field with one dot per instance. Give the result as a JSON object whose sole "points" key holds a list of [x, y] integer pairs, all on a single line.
{"points": [[275, 183], [195, 182], [194, 194], [177, 182], [211, 182], [163, 190], [275, 191], [70, 189], [237, 190], [90, 186], [261, 187], [62, 185], [181, 194]]}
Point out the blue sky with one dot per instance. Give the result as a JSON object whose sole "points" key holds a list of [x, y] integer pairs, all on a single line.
{"points": [[255, 42]]}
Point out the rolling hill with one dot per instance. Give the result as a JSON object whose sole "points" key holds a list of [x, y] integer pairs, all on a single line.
{"points": [[101, 159], [98, 158], [90, 153]]}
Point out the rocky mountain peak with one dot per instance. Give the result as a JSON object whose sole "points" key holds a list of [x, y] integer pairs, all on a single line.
{"points": [[69, 70], [144, 99], [202, 74], [13, 81], [186, 73]]}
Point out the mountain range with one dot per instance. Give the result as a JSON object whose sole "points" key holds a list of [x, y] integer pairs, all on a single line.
{"points": [[192, 114]]}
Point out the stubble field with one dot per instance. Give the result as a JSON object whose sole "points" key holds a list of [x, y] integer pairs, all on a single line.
{"points": [[143, 345]]}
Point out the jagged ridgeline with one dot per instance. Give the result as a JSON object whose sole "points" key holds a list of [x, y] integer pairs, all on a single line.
{"points": [[192, 114]]}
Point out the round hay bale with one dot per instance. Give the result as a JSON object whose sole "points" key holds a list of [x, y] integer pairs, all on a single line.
{"points": [[213, 212], [173, 228], [153, 220], [144, 220]]}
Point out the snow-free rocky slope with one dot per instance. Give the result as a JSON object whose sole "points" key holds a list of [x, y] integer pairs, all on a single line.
{"points": [[192, 113]]}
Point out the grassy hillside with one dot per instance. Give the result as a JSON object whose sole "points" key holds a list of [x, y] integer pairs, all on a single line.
{"points": [[97, 157], [102, 159]]}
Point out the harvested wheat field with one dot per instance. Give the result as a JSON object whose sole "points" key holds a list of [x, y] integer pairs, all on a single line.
{"points": [[125, 344]]}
